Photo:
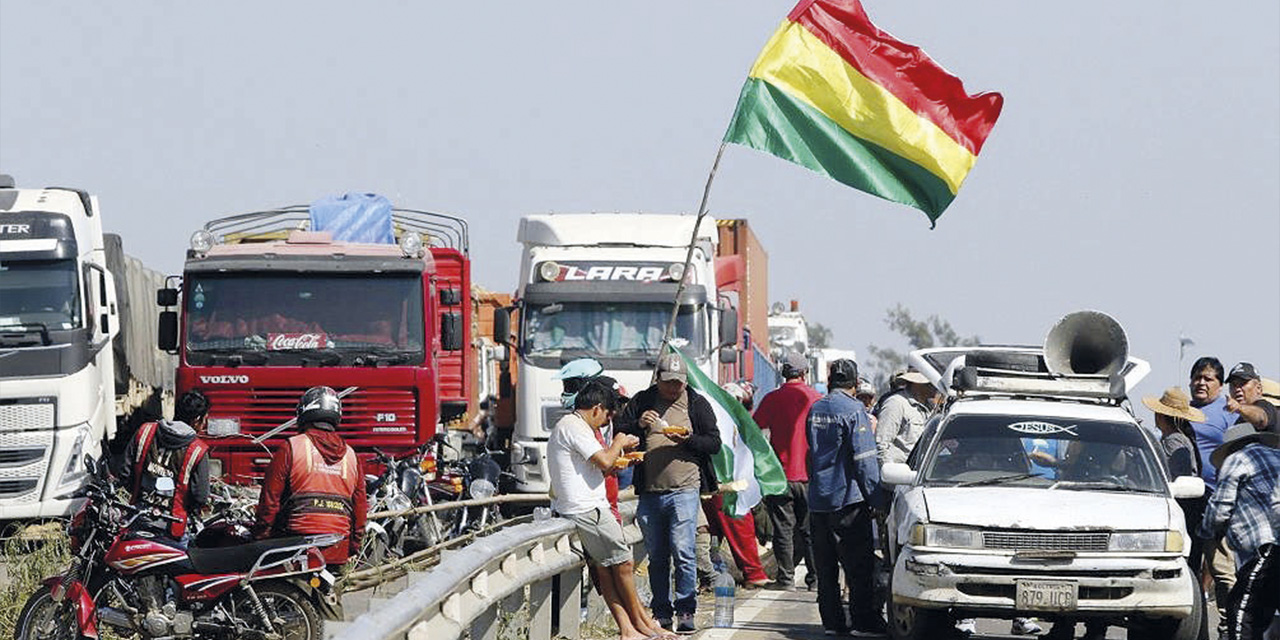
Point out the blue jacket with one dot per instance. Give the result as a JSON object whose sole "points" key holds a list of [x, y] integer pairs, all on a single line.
{"points": [[843, 468]]}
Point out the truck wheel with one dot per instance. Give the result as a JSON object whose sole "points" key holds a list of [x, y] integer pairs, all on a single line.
{"points": [[913, 623]]}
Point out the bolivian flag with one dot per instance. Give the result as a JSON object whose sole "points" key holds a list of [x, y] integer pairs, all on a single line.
{"points": [[834, 93]]}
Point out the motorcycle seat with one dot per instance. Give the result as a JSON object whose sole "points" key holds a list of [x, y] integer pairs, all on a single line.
{"points": [[239, 558]]}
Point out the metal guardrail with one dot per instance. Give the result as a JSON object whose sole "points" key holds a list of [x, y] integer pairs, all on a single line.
{"points": [[469, 586]]}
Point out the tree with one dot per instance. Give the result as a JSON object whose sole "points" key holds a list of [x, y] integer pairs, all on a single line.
{"points": [[920, 334], [819, 336]]}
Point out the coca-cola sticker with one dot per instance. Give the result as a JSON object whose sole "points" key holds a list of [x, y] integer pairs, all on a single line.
{"points": [[292, 341]]}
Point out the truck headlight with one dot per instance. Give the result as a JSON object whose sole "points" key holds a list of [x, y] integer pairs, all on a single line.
{"points": [[73, 473], [223, 426], [1146, 541], [932, 535]]}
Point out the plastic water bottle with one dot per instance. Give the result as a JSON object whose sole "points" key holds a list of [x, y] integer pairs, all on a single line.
{"points": [[726, 592]]}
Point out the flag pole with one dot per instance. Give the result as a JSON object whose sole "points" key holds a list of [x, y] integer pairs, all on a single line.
{"points": [[688, 256]]}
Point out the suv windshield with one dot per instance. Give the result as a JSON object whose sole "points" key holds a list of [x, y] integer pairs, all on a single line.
{"points": [[1050, 453], [609, 329], [39, 293], [319, 319]]}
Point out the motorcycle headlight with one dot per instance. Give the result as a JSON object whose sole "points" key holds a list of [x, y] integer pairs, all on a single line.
{"points": [[215, 468], [1145, 541], [932, 535], [481, 489]]}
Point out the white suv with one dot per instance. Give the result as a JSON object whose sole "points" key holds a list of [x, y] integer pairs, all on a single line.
{"points": [[1045, 503]]}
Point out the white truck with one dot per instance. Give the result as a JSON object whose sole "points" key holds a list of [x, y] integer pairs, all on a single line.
{"points": [[61, 307], [603, 286]]}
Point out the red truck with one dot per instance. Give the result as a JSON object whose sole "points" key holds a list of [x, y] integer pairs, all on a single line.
{"points": [[268, 307], [742, 276]]}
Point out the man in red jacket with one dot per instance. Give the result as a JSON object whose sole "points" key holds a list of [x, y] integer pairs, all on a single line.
{"points": [[314, 484], [782, 414]]}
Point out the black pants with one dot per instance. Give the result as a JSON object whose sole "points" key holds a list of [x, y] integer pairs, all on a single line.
{"points": [[789, 513], [1255, 597], [842, 540], [1193, 512]]}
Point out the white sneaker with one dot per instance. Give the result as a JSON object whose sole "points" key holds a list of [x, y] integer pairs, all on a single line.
{"points": [[967, 626], [1025, 627]]}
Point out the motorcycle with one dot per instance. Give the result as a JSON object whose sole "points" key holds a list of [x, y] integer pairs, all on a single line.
{"points": [[476, 477], [127, 574]]}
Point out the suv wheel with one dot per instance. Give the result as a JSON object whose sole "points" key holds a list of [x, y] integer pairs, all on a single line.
{"points": [[1192, 627], [913, 623]]}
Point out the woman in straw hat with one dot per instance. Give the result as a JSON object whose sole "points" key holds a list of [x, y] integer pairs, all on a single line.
{"points": [[1174, 415]]}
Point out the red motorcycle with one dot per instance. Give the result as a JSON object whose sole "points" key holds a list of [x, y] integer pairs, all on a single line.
{"points": [[125, 573]]}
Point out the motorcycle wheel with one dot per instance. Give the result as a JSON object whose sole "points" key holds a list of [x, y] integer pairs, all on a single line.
{"points": [[293, 615], [373, 551], [44, 619]]}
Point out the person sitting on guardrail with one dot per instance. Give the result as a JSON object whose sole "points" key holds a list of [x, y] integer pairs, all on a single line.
{"points": [[578, 463], [167, 449], [314, 483]]}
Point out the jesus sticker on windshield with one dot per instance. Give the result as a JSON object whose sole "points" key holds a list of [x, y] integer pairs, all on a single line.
{"points": [[1037, 428]]}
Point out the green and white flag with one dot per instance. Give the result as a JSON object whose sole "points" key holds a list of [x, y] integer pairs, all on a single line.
{"points": [[746, 467]]}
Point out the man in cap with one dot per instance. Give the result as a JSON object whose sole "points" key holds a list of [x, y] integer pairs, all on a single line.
{"points": [[678, 433], [866, 393], [844, 488], [781, 415], [902, 417], [1246, 399], [1207, 379], [1248, 470]]}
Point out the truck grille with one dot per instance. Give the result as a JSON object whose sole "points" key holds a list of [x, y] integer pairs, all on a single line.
{"points": [[1045, 541], [365, 412], [16, 488], [23, 464], [19, 457], [27, 414]]}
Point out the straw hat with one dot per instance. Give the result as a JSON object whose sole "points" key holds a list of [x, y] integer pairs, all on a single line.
{"points": [[1271, 391], [1174, 403]]}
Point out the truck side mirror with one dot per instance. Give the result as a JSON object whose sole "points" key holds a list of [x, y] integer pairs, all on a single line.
{"points": [[167, 332], [167, 297], [502, 326], [729, 326], [451, 331], [729, 354]]}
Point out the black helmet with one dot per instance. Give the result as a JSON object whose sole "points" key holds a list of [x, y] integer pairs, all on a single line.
{"points": [[319, 404], [842, 374]]}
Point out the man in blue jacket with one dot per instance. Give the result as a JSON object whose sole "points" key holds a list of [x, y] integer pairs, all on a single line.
{"points": [[844, 487]]}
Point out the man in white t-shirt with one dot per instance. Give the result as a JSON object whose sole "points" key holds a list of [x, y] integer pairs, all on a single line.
{"points": [[578, 464]]}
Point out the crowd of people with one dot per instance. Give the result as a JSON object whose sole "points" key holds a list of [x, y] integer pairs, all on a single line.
{"points": [[1225, 429]]}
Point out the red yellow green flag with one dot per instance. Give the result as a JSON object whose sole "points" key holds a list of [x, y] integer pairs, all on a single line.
{"points": [[834, 93]]}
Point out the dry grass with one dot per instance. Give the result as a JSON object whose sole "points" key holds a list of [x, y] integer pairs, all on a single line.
{"points": [[31, 555]]}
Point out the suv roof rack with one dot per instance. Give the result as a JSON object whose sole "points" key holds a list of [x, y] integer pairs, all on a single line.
{"points": [[441, 230], [1019, 371]]}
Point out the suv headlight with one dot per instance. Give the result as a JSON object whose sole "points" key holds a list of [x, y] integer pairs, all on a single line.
{"points": [[932, 535], [1146, 541]]}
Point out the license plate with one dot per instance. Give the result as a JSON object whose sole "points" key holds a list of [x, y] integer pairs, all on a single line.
{"points": [[1046, 595], [327, 577]]}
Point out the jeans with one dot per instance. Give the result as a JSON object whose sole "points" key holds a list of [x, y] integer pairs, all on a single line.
{"points": [[669, 522], [790, 514], [842, 540]]}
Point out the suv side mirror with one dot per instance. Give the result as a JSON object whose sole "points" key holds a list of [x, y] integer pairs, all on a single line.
{"points": [[729, 326], [451, 331], [1187, 487], [897, 473], [502, 326]]}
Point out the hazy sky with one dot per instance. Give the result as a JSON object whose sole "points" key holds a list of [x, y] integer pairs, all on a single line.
{"points": [[1135, 169]]}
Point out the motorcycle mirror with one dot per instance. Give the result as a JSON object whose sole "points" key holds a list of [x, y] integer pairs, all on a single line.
{"points": [[164, 486], [90, 465]]}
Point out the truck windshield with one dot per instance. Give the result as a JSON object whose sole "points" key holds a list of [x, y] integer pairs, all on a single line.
{"points": [[319, 319], [1058, 453], [610, 329], [39, 294]]}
